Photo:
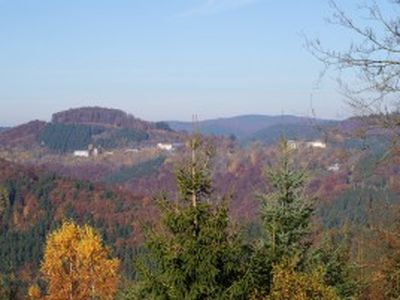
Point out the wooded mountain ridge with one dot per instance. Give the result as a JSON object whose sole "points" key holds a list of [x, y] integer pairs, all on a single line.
{"points": [[253, 127], [75, 129], [114, 125]]}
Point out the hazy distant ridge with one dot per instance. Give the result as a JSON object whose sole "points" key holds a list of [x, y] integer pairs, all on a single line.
{"points": [[247, 127]]}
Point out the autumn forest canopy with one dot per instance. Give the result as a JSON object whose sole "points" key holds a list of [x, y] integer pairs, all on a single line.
{"points": [[97, 203]]}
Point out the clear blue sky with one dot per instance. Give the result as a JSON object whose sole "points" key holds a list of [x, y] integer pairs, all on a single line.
{"points": [[163, 60]]}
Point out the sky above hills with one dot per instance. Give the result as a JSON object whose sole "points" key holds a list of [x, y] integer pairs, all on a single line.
{"points": [[164, 60]]}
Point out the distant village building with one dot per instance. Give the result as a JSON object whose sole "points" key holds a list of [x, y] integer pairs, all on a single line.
{"points": [[292, 144], [81, 153], [95, 152], [92, 151], [167, 147], [134, 150], [316, 144], [334, 168]]}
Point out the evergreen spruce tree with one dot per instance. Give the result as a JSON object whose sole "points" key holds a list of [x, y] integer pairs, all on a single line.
{"points": [[194, 254], [390, 267], [285, 214], [334, 255], [287, 210]]}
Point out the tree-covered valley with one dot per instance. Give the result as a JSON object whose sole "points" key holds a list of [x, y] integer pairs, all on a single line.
{"points": [[212, 217], [200, 150]]}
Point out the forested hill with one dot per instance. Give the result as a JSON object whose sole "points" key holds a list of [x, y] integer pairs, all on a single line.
{"points": [[76, 129], [101, 116], [252, 127], [22, 135], [33, 202]]}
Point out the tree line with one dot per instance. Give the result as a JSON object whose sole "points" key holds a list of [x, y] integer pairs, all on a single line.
{"points": [[196, 252]]}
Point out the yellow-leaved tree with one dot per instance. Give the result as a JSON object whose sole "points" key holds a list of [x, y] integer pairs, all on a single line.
{"points": [[290, 284], [77, 266], [34, 292]]}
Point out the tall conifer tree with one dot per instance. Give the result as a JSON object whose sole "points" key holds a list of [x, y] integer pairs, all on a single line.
{"points": [[194, 254], [285, 217]]}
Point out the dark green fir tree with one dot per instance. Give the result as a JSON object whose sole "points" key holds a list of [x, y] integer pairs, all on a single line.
{"points": [[194, 253]]}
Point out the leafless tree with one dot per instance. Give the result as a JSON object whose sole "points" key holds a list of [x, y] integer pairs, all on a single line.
{"points": [[369, 69]]}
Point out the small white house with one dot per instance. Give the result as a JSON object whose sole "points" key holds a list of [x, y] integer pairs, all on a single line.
{"points": [[133, 150], [81, 153], [95, 152], [293, 145], [334, 168], [167, 147], [316, 144]]}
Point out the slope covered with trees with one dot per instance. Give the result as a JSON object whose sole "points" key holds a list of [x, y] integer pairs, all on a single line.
{"points": [[247, 127], [76, 129], [76, 265], [289, 237], [34, 202]]}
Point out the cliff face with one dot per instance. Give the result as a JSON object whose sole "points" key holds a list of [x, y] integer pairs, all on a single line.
{"points": [[101, 116]]}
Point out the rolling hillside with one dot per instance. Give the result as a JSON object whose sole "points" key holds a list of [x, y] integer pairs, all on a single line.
{"points": [[114, 193], [76, 129], [34, 202], [298, 131], [252, 127]]}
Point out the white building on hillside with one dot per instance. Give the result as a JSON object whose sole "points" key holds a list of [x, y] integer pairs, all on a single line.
{"points": [[95, 152], [334, 168], [81, 153], [133, 150], [167, 147], [292, 144], [316, 144]]}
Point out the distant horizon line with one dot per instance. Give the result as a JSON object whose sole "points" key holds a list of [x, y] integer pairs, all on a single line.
{"points": [[184, 121]]}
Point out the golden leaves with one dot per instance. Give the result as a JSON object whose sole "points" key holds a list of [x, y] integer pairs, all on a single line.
{"points": [[77, 266], [289, 284], [34, 292]]}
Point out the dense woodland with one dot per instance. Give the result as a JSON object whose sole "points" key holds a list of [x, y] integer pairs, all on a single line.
{"points": [[63, 138], [236, 208], [219, 218], [306, 233]]}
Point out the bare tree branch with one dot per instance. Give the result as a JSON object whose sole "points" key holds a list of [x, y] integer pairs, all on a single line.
{"points": [[369, 69]]}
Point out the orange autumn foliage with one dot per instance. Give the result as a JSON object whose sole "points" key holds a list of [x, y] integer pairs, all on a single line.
{"points": [[34, 292], [77, 266], [289, 284]]}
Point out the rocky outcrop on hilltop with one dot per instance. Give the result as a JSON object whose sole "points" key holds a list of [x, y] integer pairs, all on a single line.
{"points": [[101, 116]]}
